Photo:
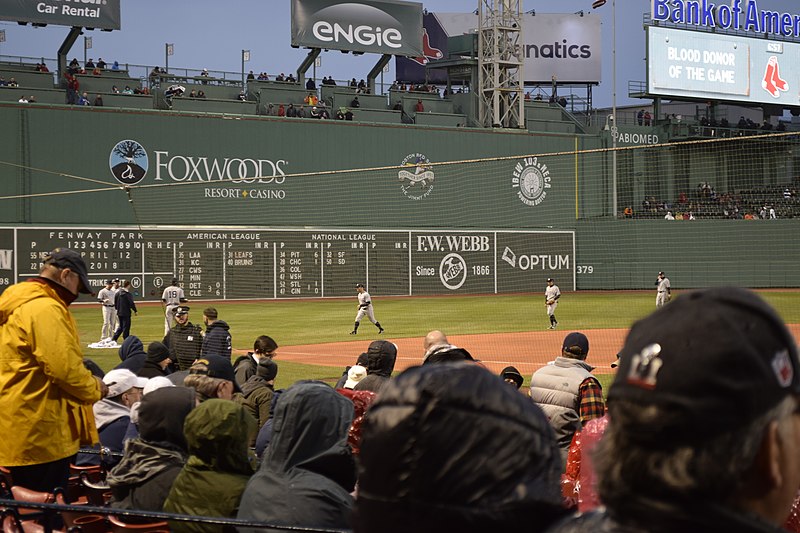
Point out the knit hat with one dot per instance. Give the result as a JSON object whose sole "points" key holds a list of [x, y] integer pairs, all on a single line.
{"points": [[267, 369], [157, 352], [354, 375], [711, 361]]}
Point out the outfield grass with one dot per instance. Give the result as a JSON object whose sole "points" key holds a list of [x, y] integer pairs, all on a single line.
{"points": [[318, 321]]}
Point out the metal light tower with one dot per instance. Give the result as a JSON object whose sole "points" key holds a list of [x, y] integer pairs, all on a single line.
{"points": [[501, 101]]}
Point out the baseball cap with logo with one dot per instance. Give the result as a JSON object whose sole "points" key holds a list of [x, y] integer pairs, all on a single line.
{"points": [[549, 280], [216, 366], [182, 310], [712, 361], [66, 258]]}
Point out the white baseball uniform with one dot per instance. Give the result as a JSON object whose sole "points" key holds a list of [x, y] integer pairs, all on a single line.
{"points": [[662, 296], [172, 298], [365, 308], [106, 299], [552, 293]]}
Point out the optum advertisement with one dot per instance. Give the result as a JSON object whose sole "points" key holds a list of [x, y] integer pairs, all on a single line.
{"points": [[722, 67], [374, 26], [100, 14]]}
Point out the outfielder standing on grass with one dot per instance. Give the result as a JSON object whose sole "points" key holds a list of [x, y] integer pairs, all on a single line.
{"points": [[172, 297], [662, 286], [551, 296], [364, 308]]}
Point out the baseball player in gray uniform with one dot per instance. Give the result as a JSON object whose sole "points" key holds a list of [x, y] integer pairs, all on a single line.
{"points": [[106, 299], [662, 286], [364, 308], [551, 296], [172, 297]]}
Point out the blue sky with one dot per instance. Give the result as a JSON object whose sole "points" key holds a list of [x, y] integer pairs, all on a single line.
{"points": [[212, 33]]}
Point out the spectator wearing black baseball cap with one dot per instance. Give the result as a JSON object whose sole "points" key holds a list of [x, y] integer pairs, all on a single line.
{"points": [[47, 393], [704, 432], [213, 377]]}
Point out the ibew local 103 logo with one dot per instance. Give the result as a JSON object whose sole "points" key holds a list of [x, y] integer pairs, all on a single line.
{"points": [[531, 178]]}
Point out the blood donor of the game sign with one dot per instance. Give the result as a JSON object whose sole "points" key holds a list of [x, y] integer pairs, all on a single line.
{"points": [[722, 67]]}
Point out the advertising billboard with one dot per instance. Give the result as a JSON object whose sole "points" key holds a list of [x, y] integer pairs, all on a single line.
{"points": [[100, 14], [566, 46], [709, 66], [374, 26]]}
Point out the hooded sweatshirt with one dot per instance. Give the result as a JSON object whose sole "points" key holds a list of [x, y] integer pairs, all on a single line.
{"points": [[144, 477], [381, 356], [211, 484], [308, 472], [46, 394], [132, 354], [217, 340]]}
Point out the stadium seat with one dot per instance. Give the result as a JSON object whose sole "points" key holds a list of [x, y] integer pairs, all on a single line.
{"points": [[118, 526], [88, 523], [21, 494]]}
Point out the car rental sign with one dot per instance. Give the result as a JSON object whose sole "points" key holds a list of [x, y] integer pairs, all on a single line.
{"points": [[100, 14], [374, 26]]}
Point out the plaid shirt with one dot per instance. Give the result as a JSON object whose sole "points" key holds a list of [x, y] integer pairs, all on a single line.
{"points": [[592, 404]]}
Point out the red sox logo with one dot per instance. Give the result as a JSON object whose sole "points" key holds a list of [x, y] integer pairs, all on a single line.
{"points": [[428, 51]]}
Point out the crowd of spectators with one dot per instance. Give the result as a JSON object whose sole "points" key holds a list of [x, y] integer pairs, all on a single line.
{"points": [[754, 203], [708, 386]]}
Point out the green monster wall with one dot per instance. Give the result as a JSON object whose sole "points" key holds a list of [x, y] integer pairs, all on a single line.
{"points": [[56, 149]]}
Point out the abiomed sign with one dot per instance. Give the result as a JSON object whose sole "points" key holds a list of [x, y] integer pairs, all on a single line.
{"points": [[374, 26], [100, 14]]}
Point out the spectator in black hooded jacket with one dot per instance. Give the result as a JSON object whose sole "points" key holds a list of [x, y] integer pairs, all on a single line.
{"points": [[218, 338], [245, 366], [132, 354], [381, 356]]}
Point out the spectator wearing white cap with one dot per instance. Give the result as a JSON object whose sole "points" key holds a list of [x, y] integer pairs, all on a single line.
{"points": [[113, 413]]}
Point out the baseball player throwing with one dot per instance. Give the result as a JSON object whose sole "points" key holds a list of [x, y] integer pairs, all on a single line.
{"points": [[662, 286], [172, 297], [551, 296], [364, 308]]}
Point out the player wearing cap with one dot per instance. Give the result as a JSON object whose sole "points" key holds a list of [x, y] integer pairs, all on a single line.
{"points": [[46, 394], [172, 297], [567, 391], [364, 308], [663, 294], [184, 340], [106, 299], [705, 429], [551, 296]]}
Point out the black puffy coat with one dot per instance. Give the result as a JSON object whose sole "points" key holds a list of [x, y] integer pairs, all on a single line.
{"points": [[451, 447]]}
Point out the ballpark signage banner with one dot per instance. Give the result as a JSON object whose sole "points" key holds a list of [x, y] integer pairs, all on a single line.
{"points": [[739, 15], [566, 46], [100, 14], [722, 67], [268, 263], [374, 26]]}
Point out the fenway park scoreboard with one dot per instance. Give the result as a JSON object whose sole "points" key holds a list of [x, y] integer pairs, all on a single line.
{"points": [[237, 263]]}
